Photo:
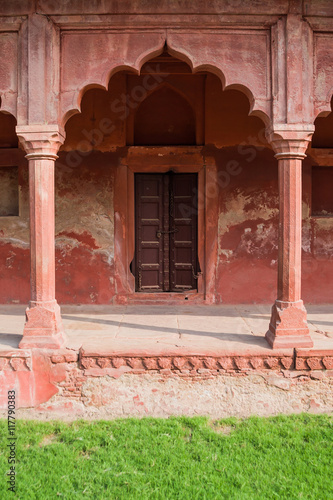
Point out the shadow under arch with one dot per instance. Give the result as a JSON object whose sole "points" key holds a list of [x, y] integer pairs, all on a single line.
{"points": [[165, 116], [8, 122]]}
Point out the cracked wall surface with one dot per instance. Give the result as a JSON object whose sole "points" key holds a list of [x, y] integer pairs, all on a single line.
{"points": [[247, 232]]}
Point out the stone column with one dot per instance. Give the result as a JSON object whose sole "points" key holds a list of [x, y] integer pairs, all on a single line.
{"points": [[43, 327], [288, 326]]}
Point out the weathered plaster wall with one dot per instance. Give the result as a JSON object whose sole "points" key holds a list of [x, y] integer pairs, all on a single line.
{"points": [[248, 225], [247, 190], [14, 236], [317, 245], [247, 232], [85, 229], [84, 234]]}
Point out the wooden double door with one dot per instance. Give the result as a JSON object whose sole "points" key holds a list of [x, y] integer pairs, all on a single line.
{"points": [[166, 232]]}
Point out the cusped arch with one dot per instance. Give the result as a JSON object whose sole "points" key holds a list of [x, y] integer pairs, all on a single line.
{"points": [[261, 110], [323, 134], [326, 108], [78, 109], [95, 85], [106, 55], [8, 103]]}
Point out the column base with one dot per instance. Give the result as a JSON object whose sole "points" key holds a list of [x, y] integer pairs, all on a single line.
{"points": [[288, 326], [43, 327]]}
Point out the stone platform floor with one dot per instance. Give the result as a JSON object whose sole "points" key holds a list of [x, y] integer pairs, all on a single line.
{"points": [[161, 360], [234, 330]]}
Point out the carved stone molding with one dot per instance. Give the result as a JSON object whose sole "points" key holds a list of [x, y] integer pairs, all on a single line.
{"points": [[320, 362], [290, 140], [15, 363], [40, 141], [180, 364]]}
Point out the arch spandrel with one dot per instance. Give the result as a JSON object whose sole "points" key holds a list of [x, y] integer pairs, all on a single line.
{"points": [[9, 103], [8, 72], [239, 59], [323, 73], [89, 60], [241, 65], [324, 108]]}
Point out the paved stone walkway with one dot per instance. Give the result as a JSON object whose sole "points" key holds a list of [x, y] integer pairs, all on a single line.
{"points": [[161, 361], [209, 330]]}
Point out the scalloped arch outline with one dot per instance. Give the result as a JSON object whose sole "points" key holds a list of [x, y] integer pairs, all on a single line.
{"points": [[182, 56]]}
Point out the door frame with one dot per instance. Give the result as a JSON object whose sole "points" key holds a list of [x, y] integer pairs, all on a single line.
{"points": [[179, 159]]}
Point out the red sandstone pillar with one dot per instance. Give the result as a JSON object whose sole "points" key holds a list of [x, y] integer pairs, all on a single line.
{"points": [[43, 327], [288, 326]]}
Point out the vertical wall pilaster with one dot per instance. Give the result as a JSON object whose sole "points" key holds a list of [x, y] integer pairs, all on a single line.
{"points": [[288, 325], [43, 327]]}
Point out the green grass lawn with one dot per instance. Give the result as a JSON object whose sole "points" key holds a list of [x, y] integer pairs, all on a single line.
{"points": [[285, 457]]}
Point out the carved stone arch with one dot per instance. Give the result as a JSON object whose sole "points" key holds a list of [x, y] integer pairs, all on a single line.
{"points": [[221, 60], [100, 69], [324, 109], [323, 136], [91, 86], [78, 109], [8, 104], [184, 56], [106, 54]]}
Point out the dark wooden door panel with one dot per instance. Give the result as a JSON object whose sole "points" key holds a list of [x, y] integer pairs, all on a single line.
{"points": [[183, 242], [149, 218], [165, 236], [166, 232]]}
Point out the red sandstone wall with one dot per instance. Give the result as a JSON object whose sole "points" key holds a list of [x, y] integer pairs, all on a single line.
{"points": [[14, 234], [248, 201], [247, 240], [248, 225], [85, 228], [317, 244]]}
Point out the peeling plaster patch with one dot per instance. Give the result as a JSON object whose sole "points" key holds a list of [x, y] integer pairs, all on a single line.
{"points": [[316, 237], [324, 223], [235, 211], [15, 242], [15, 231], [306, 238], [323, 245], [84, 205], [253, 240], [107, 256], [227, 253], [66, 243], [84, 238], [258, 242]]}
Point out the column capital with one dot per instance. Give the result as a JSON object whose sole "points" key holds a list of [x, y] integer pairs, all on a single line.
{"points": [[40, 141], [290, 141]]}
